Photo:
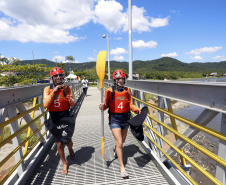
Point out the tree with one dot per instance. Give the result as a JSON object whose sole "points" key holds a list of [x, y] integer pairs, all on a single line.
{"points": [[15, 61], [71, 59], [61, 65], [4, 60], [29, 74]]}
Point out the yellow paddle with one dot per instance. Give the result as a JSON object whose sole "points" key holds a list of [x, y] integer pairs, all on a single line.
{"points": [[100, 68]]}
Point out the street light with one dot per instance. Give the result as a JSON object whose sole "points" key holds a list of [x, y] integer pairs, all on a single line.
{"points": [[130, 41], [104, 36]]}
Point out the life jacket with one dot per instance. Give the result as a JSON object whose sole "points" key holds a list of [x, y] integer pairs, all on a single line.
{"points": [[119, 102], [60, 102]]}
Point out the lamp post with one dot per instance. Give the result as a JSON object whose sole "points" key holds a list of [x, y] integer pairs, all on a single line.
{"points": [[130, 41], [104, 36]]}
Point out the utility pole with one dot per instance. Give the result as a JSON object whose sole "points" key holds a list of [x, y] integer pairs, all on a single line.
{"points": [[130, 42]]}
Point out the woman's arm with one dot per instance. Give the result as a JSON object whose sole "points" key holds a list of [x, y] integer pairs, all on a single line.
{"points": [[69, 96], [133, 107], [47, 97], [105, 105]]}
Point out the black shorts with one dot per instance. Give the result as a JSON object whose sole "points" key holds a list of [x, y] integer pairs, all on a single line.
{"points": [[61, 125]]}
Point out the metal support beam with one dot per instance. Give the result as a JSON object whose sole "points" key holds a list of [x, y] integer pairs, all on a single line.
{"points": [[208, 95], [16, 140], [160, 130], [28, 119], [204, 118]]}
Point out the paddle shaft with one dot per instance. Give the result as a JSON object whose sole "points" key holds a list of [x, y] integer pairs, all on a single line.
{"points": [[102, 113]]}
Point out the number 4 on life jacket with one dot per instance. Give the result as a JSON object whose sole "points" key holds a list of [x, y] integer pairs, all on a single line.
{"points": [[119, 101]]}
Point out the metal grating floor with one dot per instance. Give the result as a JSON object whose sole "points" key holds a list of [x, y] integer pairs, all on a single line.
{"points": [[88, 166]]}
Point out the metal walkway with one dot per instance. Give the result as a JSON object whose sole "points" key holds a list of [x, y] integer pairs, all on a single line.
{"points": [[88, 166]]}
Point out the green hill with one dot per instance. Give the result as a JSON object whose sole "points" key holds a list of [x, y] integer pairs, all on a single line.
{"points": [[139, 66]]}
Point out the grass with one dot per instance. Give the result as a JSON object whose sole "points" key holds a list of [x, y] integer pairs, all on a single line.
{"points": [[23, 135], [92, 85], [148, 96]]}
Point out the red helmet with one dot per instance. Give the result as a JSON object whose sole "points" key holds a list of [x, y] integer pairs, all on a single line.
{"points": [[55, 71], [118, 74]]}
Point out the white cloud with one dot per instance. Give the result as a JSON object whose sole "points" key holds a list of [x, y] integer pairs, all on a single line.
{"points": [[111, 15], [118, 51], [220, 58], [118, 58], [47, 21], [26, 33], [174, 54], [68, 61], [204, 50], [58, 59], [175, 12], [159, 22], [63, 59], [141, 44], [118, 38], [92, 59], [50, 21], [197, 58]]}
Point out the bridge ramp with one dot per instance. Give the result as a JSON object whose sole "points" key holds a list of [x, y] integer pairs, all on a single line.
{"points": [[88, 166]]}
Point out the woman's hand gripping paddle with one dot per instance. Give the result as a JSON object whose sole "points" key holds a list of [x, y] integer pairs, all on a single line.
{"points": [[100, 67]]}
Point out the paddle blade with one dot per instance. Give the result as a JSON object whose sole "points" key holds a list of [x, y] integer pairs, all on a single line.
{"points": [[100, 66], [102, 148]]}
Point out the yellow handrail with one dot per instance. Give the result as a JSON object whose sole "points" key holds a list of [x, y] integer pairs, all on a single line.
{"points": [[3, 124], [21, 160], [29, 136], [20, 130], [200, 148], [209, 176], [29, 128], [174, 163], [19, 146], [189, 122]]}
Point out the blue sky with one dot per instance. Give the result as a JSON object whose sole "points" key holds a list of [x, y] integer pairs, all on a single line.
{"points": [[187, 30]]}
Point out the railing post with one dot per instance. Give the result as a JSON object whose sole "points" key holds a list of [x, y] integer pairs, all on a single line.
{"points": [[3, 113], [29, 128], [16, 140], [160, 130]]}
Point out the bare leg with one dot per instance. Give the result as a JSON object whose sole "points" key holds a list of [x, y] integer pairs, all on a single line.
{"points": [[117, 132], [124, 134], [60, 149], [71, 151]]}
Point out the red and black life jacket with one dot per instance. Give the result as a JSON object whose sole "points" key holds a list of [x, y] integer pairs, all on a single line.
{"points": [[60, 102], [119, 101]]}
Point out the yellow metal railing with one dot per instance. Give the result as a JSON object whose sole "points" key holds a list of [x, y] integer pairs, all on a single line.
{"points": [[77, 91], [174, 130]]}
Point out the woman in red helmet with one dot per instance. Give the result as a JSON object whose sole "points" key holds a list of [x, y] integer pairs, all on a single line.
{"points": [[57, 98], [119, 101]]}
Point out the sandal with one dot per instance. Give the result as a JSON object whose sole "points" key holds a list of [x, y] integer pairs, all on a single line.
{"points": [[63, 172], [124, 175]]}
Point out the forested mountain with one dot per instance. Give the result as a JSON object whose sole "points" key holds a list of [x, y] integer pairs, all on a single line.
{"points": [[139, 66]]}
